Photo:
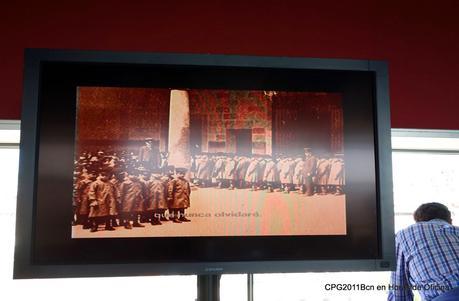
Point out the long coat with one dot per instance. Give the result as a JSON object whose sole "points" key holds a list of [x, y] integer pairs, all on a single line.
{"points": [[145, 192], [270, 174], [116, 184], [150, 156], [298, 178], [178, 196], [230, 170], [204, 169], [194, 167], [241, 168], [322, 172], [286, 171], [261, 169], [132, 196], [336, 172], [82, 194], [157, 195], [252, 172], [102, 199], [309, 169], [219, 169]]}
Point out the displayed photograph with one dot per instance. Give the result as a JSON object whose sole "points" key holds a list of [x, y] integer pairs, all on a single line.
{"points": [[158, 162]]}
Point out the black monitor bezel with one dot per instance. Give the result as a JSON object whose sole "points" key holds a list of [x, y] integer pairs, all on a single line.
{"points": [[26, 263]]}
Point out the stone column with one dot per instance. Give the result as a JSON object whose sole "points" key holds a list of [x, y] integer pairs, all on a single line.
{"points": [[179, 129]]}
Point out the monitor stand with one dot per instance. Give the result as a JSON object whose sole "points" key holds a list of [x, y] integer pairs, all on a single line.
{"points": [[209, 287]]}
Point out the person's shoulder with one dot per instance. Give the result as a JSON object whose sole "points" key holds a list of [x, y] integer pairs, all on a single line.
{"points": [[403, 231], [408, 232], [419, 227], [441, 224]]}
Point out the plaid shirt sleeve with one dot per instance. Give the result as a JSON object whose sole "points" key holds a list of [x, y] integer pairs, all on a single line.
{"points": [[400, 287]]}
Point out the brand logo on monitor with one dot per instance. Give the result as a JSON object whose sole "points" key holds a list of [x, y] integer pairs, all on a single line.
{"points": [[213, 269]]}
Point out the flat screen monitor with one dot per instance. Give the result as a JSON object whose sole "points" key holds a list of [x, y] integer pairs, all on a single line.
{"points": [[154, 164]]}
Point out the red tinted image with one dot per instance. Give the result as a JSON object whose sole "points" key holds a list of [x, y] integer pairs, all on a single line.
{"points": [[155, 162]]}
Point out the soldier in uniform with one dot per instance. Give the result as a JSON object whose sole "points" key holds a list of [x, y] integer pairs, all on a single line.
{"points": [[204, 170], [102, 202], [82, 191], [251, 177], [279, 162], [322, 174], [166, 179], [261, 172], [194, 167], [219, 170], [164, 161], [144, 177], [230, 171], [270, 175], [149, 155], [178, 196], [75, 202], [309, 171], [286, 174], [116, 181], [157, 198], [241, 171], [132, 201], [336, 178], [298, 173], [341, 176]]}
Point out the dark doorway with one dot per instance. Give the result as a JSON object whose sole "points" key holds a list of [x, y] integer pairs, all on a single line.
{"points": [[244, 142], [240, 141], [196, 129]]}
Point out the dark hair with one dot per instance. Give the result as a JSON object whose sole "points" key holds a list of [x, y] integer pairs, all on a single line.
{"points": [[429, 211]]}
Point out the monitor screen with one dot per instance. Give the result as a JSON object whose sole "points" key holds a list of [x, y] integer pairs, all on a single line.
{"points": [[181, 164], [193, 162]]}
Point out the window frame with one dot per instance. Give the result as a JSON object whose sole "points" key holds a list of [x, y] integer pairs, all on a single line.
{"points": [[13, 125]]}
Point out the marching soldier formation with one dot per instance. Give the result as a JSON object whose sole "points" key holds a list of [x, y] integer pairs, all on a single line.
{"points": [[306, 174], [114, 190]]}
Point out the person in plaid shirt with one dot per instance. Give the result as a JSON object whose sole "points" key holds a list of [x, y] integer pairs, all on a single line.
{"points": [[427, 257]]}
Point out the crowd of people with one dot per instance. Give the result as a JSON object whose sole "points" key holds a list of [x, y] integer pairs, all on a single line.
{"points": [[129, 189], [307, 174], [117, 190]]}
